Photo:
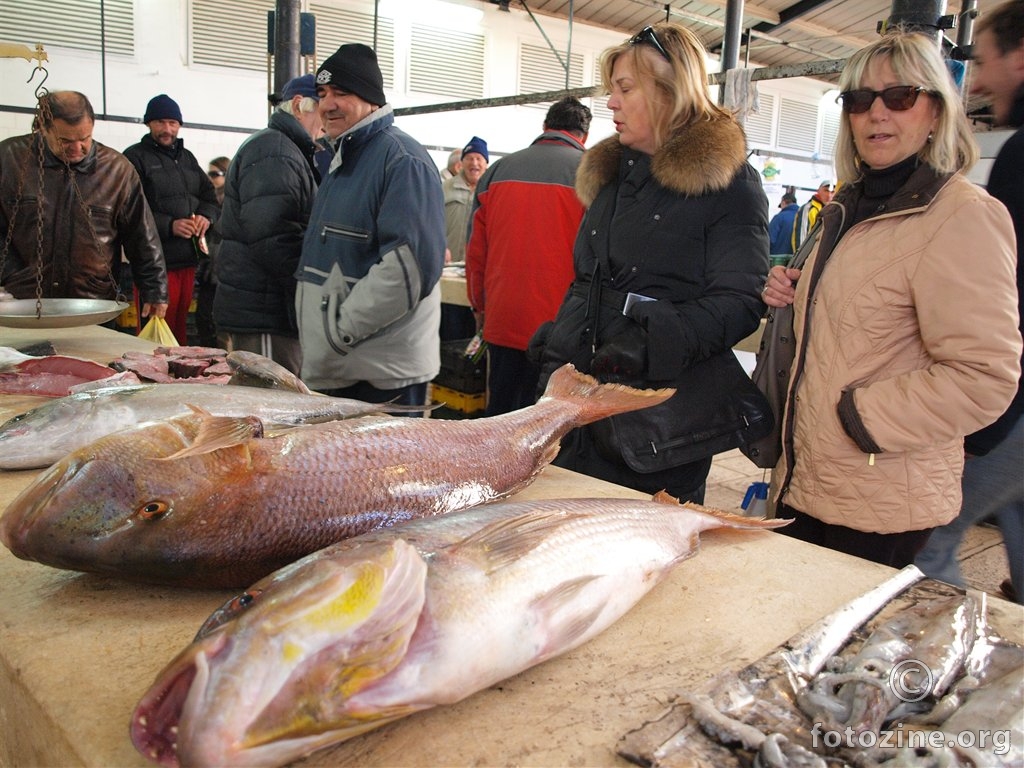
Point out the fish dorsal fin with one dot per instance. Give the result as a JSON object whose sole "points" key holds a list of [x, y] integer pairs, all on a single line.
{"points": [[218, 432], [503, 542]]}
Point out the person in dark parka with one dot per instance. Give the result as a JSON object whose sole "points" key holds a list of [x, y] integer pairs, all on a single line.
{"points": [[183, 201], [678, 218], [267, 200]]}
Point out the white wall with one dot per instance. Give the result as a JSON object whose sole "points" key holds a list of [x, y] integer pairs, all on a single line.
{"points": [[225, 97]]}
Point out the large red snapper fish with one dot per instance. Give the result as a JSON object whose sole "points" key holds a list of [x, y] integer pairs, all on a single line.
{"points": [[395, 621], [204, 501]]}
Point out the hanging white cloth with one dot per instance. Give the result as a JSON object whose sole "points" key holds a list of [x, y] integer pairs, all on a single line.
{"points": [[741, 93]]}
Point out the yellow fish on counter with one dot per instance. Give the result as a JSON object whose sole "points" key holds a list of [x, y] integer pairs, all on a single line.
{"points": [[204, 501], [395, 621]]}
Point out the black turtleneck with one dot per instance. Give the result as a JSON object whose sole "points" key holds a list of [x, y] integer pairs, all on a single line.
{"points": [[877, 186]]}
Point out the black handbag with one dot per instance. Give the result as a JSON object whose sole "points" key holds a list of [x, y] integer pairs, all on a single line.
{"points": [[771, 377], [716, 408], [771, 373]]}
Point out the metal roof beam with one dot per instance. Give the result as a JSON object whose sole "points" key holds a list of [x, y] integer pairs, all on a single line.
{"points": [[792, 13], [807, 69]]}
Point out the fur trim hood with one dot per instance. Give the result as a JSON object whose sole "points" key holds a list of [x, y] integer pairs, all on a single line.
{"points": [[702, 158]]}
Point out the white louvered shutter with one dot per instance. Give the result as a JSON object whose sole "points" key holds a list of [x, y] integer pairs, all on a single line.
{"points": [[70, 24]]}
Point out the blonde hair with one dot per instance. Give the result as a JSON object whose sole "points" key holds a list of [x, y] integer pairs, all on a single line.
{"points": [[915, 59], [680, 94]]}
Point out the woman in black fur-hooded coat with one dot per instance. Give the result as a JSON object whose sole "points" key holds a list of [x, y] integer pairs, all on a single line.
{"points": [[670, 259]]}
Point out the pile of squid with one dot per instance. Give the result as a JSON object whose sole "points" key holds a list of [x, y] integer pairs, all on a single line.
{"points": [[928, 682], [933, 685]]}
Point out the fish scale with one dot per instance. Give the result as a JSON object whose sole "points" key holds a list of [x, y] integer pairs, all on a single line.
{"points": [[205, 501]]}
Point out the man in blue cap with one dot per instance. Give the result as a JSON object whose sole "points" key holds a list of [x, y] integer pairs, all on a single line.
{"points": [[458, 196], [183, 201], [368, 295], [268, 196]]}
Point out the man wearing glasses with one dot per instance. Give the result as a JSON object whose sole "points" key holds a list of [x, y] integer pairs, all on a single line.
{"points": [[81, 205]]}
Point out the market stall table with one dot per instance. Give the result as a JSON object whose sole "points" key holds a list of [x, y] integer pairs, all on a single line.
{"points": [[78, 651]]}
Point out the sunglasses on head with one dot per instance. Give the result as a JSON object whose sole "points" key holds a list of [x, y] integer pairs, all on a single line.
{"points": [[646, 36], [897, 98], [215, 174]]}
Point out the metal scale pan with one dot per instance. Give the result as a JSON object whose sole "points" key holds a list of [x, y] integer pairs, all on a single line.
{"points": [[58, 313]]}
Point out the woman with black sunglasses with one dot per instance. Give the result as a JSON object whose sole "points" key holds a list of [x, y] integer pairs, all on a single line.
{"points": [[669, 260], [905, 315]]}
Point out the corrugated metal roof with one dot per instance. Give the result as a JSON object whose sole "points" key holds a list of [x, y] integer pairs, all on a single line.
{"points": [[783, 32]]}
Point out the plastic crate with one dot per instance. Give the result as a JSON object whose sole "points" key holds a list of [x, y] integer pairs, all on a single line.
{"points": [[459, 372], [463, 402]]}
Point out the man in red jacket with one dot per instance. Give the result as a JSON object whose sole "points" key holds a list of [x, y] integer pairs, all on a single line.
{"points": [[519, 256]]}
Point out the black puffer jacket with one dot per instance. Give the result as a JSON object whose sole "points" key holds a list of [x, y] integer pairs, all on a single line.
{"points": [[176, 187], [688, 228], [267, 199]]}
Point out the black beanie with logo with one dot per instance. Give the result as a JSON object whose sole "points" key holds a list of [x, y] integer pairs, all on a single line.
{"points": [[353, 68]]}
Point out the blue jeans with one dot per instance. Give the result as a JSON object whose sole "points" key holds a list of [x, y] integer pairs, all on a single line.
{"points": [[993, 485]]}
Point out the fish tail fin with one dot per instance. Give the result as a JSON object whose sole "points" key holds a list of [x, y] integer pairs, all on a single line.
{"points": [[596, 400], [721, 518]]}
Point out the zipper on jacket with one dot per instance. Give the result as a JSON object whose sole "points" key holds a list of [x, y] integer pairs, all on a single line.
{"points": [[681, 442], [342, 231], [801, 352]]}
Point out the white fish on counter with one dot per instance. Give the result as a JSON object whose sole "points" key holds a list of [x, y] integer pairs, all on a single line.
{"points": [[377, 627], [43, 435]]}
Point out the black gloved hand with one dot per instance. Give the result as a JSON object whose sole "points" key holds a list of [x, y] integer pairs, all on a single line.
{"points": [[623, 358], [538, 342]]}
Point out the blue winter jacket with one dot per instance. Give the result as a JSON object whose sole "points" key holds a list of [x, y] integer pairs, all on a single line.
{"points": [[780, 229], [368, 297]]}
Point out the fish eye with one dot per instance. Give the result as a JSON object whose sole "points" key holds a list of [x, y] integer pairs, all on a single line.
{"points": [[227, 612], [153, 510], [244, 600]]}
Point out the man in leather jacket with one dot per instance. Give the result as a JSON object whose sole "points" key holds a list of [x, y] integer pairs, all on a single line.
{"points": [[91, 204]]}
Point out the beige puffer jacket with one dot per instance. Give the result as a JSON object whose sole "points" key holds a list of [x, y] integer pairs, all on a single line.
{"points": [[908, 334]]}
